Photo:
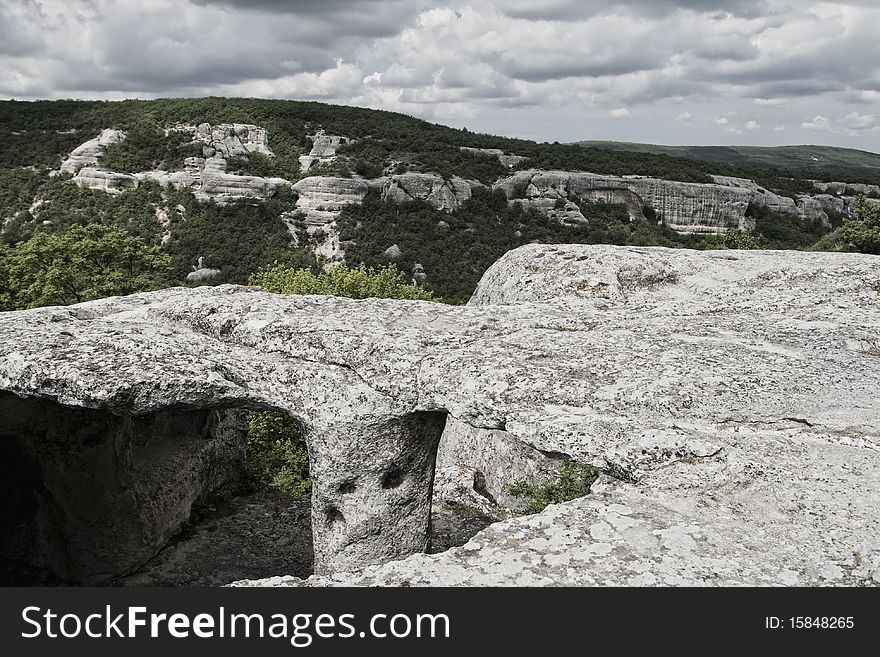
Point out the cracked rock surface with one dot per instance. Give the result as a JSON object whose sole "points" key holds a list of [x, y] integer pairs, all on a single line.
{"points": [[731, 397]]}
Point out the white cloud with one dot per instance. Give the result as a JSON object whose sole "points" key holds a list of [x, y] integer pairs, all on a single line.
{"points": [[818, 122], [546, 69]]}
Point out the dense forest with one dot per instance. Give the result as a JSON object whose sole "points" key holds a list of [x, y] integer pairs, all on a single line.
{"points": [[50, 227]]}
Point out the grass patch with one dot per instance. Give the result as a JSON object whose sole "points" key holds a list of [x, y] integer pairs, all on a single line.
{"points": [[572, 481]]}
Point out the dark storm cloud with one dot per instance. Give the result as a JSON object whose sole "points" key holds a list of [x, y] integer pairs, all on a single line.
{"points": [[369, 18], [569, 9]]}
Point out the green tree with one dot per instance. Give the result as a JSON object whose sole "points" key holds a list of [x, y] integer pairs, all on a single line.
{"points": [[80, 264], [862, 232]]}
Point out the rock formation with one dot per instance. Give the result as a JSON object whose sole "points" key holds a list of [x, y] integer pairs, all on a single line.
{"points": [[324, 149], [105, 181], [431, 188], [206, 177], [804, 207], [232, 140], [730, 398], [685, 207], [321, 198], [90, 152], [510, 161]]}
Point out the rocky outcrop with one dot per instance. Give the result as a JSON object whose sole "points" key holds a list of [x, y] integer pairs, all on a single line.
{"points": [[105, 181], [206, 177], [229, 140], [215, 184], [685, 207], [729, 397], [850, 189], [320, 200], [510, 161], [561, 210], [90, 152], [804, 207], [431, 188], [324, 149]]}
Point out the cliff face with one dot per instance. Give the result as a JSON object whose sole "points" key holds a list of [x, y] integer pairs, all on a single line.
{"points": [[430, 188], [685, 207], [729, 398]]}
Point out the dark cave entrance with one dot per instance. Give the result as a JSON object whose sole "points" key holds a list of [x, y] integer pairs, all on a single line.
{"points": [[21, 527], [91, 497]]}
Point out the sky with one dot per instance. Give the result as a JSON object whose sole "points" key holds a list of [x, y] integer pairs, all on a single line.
{"points": [[702, 72]]}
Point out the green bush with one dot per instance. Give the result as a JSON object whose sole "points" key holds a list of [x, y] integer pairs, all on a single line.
{"points": [[356, 283], [573, 481]]}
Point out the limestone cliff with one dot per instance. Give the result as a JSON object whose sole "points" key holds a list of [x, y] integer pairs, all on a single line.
{"points": [[685, 207]]}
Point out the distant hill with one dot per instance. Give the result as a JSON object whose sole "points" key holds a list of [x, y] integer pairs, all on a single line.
{"points": [[823, 160], [224, 187]]}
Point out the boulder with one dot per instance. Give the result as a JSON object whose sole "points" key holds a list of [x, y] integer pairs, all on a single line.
{"points": [[729, 397]]}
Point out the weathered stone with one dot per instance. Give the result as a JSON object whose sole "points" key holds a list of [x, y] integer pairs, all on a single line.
{"points": [[732, 396], [105, 181], [324, 149], [228, 140], [566, 212], [321, 199], [326, 194], [431, 188], [501, 459], [685, 207], [393, 252], [90, 152]]}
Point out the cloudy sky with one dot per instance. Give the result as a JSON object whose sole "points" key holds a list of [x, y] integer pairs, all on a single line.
{"points": [[663, 71]]}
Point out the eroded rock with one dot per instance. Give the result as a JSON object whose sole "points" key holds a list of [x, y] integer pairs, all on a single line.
{"points": [[430, 188], [685, 207], [730, 395], [89, 153]]}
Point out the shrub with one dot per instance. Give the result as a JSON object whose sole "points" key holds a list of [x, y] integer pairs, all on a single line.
{"points": [[357, 283], [572, 481]]}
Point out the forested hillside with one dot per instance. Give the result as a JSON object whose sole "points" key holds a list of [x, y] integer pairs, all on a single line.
{"points": [[58, 238]]}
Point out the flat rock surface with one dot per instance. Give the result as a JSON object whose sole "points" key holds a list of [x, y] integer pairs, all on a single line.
{"points": [[731, 395]]}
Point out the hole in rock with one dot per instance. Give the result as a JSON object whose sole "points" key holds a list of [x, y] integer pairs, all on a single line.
{"points": [[348, 487], [334, 516], [392, 479]]}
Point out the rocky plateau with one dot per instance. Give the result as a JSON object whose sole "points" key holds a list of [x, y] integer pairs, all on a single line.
{"points": [[729, 398]]}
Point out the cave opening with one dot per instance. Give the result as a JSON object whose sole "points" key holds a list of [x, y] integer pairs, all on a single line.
{"points": [[23, 505]]}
